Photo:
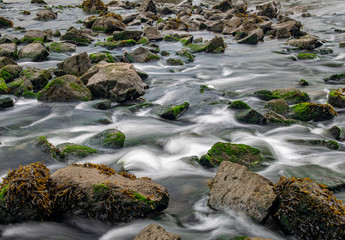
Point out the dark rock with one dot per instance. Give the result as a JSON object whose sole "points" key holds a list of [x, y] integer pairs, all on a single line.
{"points": [[78, 37], [269, 9], [22, 87], [154, 231], [287, 29], [333, 145], [73, 152], [336, 97], [238, 104], [126, 35], [148, 6], [5, 23], [110, 138], [312, 112], [253, 37], [62, 47], [34, 51], [8, 50], [303, 83], [250, 116], [76, 65], [174, 62], [278, 105], [336, 79], [237, 188], [38, 77], [265, 95], [6, 102], [93, 6], [6, 61], [335, 132], [224, 5], [104, 104], [174, 112]]}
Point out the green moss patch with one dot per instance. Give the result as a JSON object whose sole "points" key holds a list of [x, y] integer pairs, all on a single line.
{"points": [[75, 150], [172, 113], [238, 104], [312, 112], [100, 188], [305, 56]]}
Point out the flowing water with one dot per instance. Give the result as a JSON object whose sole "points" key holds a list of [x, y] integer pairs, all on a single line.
{"points": [[158, 148]]}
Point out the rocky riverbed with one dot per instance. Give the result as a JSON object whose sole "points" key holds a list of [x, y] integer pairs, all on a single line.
{"points": [[129, 114]]}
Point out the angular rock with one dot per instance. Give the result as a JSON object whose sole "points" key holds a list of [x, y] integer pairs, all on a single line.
{"points": [[115, 81], [312, 112], [269, 9], [6, 102], [287, 29], [10, 72], [65, 89], [148, 6], [76, 65], [45, 15], [277, 119], [215, 45], [8, 50], [78, 37], [126, 35], [108, 25], [110, 138], [152, 34], [38, 77], [336, 97], [237, 188], [34, 51], [253, 37], [278, 105], [154, 231], [142, 55], [223, 6], [307, 43], [5, 23], [6, 61], [61, 47], [250, 116], [296, 9]]}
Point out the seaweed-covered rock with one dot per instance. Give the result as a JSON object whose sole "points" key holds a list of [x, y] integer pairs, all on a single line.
{"points": [[61, 47], [312, 112], [238, 104], [100, 56], [78, 37], [237, 153], [250, 116], [277, 119], [173, 112], [10, 72], [66, 88], [6, 102], [237, 188], [336, 97], [265, 95], [142, 55], [308, 210], [185, 53], [336, 79], [4, 89], [76, 65], [94, 6], [174, 62], [154, 231], [8, 50], [22, 87], [115, 81], [71, 151], [305, 56], [278, 105], [127, 34], [215, 45], [108, 25], [38, 77], [45, 15], [110, 138], [34, 51], [291, 95], [5, 23]]}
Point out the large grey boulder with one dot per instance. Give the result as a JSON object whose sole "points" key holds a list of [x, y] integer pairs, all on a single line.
{"points": [[76, 65], [142, 55], [237, 188], [35, 35], [116, 81], [45, 15], [269, 9], [154, 231], [8, 50], [108, 25], [152, 33], [34, 51], [307, 42]]}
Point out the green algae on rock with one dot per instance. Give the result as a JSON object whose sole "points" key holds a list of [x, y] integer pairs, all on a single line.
{"points": [[174, 112], [71, 151], [109, 138], [238, 104], [336, 97], [312, 112]]}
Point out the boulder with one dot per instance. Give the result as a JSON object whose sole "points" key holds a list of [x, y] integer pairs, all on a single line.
{"points": [[265, 95], [236, 188], [253, 37], [5, 23], [8, 38], [308, 209], [127, 34], [110, 138], [22, 87], [291, 95], [6, 61], [237, 153], [223, 6], [238, 105], [287, 29], [154, 231], [76, 65], [312, 112], [142, 55], [336, 97], [78, 37], [305, 43], [62, 47], [215, 45], [152, 34], [115, 81], [173, 112], [35, 35], [269, 9], [10, 72], [108, 25], [277, 119], [34, 51], [38, 77], [71, 151], [45, 15], [278, 105], [8, 50], [100, 56], [64, 89], [295, 10], [250, 116], [148, 6], [94, 6], [6, 102]]}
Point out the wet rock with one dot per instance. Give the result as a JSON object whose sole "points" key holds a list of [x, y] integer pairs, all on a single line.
{"points": [[215, 45], [249, 238], [237, 153], [110, 138], [76, 65], [56, 33], [152, 34], [8, 38], [308, 210], [305, 56], [65, 89], [277, 105], [4, 89], [100, 56], [335, 132], [174, 112], [22, 87], [216, 26], [108, 25], [104, 104], [78, 37], [269, 9], [5, 23], [312, 112], [241, 6], [142, 55], [115, 81], [154, 231], [6, 102], [250, 116], [6, 61], [237, 188], [174, 62], [287, 29], [34, 51], [277, 119], [148, 6], [93, 6], [295, 10], [34, 35], [62, 47], [336, 97], [303, 83], [45, 15], [265, 95], [238, 104], [336, 79], [38, 2], [332, 145], [10, 72], [342, 44], [73, 152], [253, 37], [224, 5], [38, 77], [291, 95], [184, 52], [307, 43], [8, 50], [126, 35]]}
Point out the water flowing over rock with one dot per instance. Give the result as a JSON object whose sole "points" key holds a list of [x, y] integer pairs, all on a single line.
{"points": [[237, 188], [154, 231]]}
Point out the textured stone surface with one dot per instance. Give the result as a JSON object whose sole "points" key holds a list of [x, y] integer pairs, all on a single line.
{"points": [[156, 232]]}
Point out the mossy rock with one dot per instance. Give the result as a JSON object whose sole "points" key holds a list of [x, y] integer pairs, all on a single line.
{"points": [[100, 56], [250, 116], [238, 104], [4, 89], [184, 52], [61, 47], [278, 105], [312, 112], [42, 143], [169, 38], [6, 102], [110, 138], [336, 79], [22, 87], [303, 83], [116, 44], [333, 145], [274, 118], [265, 95], [336, 97], [215, 45], [196, 47], [127, 35], [237, 153], [305, 56], [5, 23], [291, 95], [38, 77], [70, 151], [174, 112], [10, 72], [174, 62]]}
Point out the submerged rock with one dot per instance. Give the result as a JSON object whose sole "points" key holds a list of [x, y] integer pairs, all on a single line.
{"points": [[154, 231], [237, 153], [278, 105], [173, 112], [110, 138], [5, 23], [336, 79], [250, 116], [237, 188], [291, 95], [71, 151], [312, 112], [93, 6], [269, 9], [308, 210], [239, 104]]}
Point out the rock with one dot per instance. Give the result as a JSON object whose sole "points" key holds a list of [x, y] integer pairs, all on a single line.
{"points": [[34, 51], [174, 112], [215, 45], [99, 56], [237, 153], [70, 151], [38, 77], [303, 83], [253, 37], [8, 38], [115, 81], [108, 25], [287, 29], [4, 89], [174, 62], [22, 87], [104, 104], [184, 52], [6, 102], [5, 23], [10, 72], [127, 34], [38, 2], [250, 116], [110, 138], [78, 37], [45, 15], [265, 95], [238, 104], [8, 50], [217, 26], [336, 97], [335, 132], [277, 119], [312, 112], [56, 33], [6, 61], [336, 79], [224, 5], [152, 34], [35, 35], [64, 89], [241, 6], [305, 43], [148, 6], [278, 105], [79, 190], [241, 190], [154, 231], [342, 44], [269, 9], [249, 238], [62, 47], [296, 9], [93, 6], [109, 44], [142, 55], [76, 65], [305, 56], [332, 145], [291, 95], [308, 210]]}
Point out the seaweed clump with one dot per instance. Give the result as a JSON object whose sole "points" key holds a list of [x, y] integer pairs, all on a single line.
{"points": [[93, 6], [308, 209]]}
